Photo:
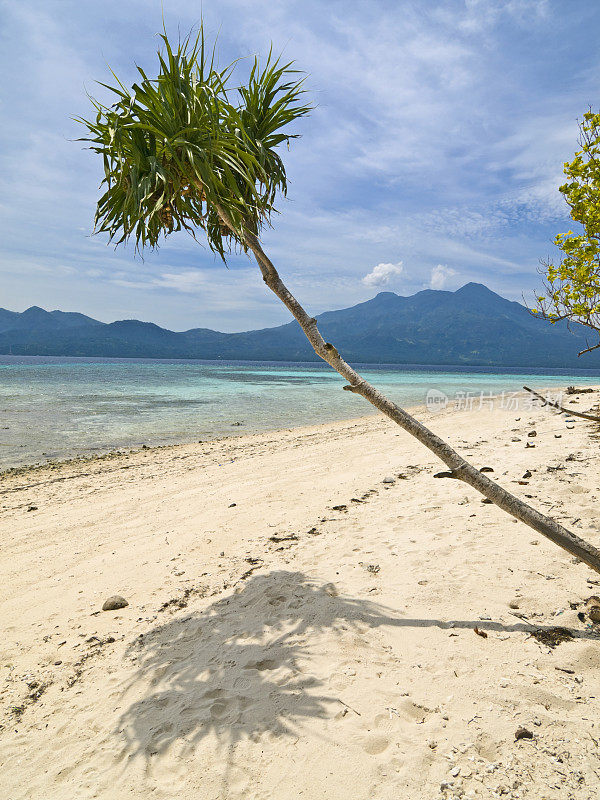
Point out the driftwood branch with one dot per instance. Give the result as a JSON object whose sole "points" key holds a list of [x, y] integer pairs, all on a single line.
{"points": [[560, 408], [460, 468]]}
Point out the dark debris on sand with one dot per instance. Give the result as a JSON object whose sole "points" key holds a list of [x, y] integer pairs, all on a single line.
{"points": [[552, 637]]}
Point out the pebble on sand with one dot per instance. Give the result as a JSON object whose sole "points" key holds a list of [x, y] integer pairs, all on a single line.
{"points": [[594, 613], [523, 733], [114, 602], [593, 608]]}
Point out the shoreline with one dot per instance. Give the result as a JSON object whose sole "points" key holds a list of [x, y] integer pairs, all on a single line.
{"points": [[126, 451], [122, 451]]}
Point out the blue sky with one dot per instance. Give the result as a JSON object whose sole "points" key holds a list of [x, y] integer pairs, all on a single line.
{"points": [[432, 157]]}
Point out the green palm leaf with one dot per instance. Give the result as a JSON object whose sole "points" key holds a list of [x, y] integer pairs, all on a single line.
{"points": [[187, 150]]}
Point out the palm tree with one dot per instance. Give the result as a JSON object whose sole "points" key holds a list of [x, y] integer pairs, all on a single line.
{"points": [[191, 150]]}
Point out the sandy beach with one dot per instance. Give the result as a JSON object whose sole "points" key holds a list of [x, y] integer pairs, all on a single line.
{"points": [[301, 619]]}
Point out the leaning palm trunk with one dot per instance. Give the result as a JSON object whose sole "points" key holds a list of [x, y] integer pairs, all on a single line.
{"points": [[459, 468], [186, 151]]}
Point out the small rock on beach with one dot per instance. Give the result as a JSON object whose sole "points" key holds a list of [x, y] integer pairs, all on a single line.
{"points": [[114, 602]]}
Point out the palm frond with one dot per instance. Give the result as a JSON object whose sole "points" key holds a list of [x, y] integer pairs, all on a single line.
{"points": [[178, 153]]}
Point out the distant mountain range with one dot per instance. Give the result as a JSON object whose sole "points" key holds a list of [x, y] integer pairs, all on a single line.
{"points": [[472, 326]]}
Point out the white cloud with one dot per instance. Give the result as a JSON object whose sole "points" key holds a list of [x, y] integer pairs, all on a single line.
{"points": [[479, 16], [186, 281], [382, 274], [439, 276]]}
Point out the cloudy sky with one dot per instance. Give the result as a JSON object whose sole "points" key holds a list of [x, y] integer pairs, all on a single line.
{"points": [[432, 157]]}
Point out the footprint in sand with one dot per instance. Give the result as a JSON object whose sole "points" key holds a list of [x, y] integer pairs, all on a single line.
{"points": [[241, 684], [274, 601], [229, 708], [219, 709], [339, 682], [392, 725], [374, 744]]}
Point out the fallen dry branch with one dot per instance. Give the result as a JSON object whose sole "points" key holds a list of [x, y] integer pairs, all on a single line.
{"points": [[576, 390], [562, 410]]}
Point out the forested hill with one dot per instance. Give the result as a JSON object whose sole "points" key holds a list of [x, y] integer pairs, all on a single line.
{"points": [[471, 326]]}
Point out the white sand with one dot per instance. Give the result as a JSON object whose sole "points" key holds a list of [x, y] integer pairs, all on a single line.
{"points": [[341, 663]]}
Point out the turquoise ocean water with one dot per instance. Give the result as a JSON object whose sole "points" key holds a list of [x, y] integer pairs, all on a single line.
{"points": [[52, 408]]}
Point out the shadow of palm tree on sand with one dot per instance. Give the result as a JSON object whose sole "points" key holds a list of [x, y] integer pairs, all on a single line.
{"points": [[242, 667], [237, 668]]}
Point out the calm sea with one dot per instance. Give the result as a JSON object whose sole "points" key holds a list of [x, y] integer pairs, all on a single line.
{"points": [[58, 407]]}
